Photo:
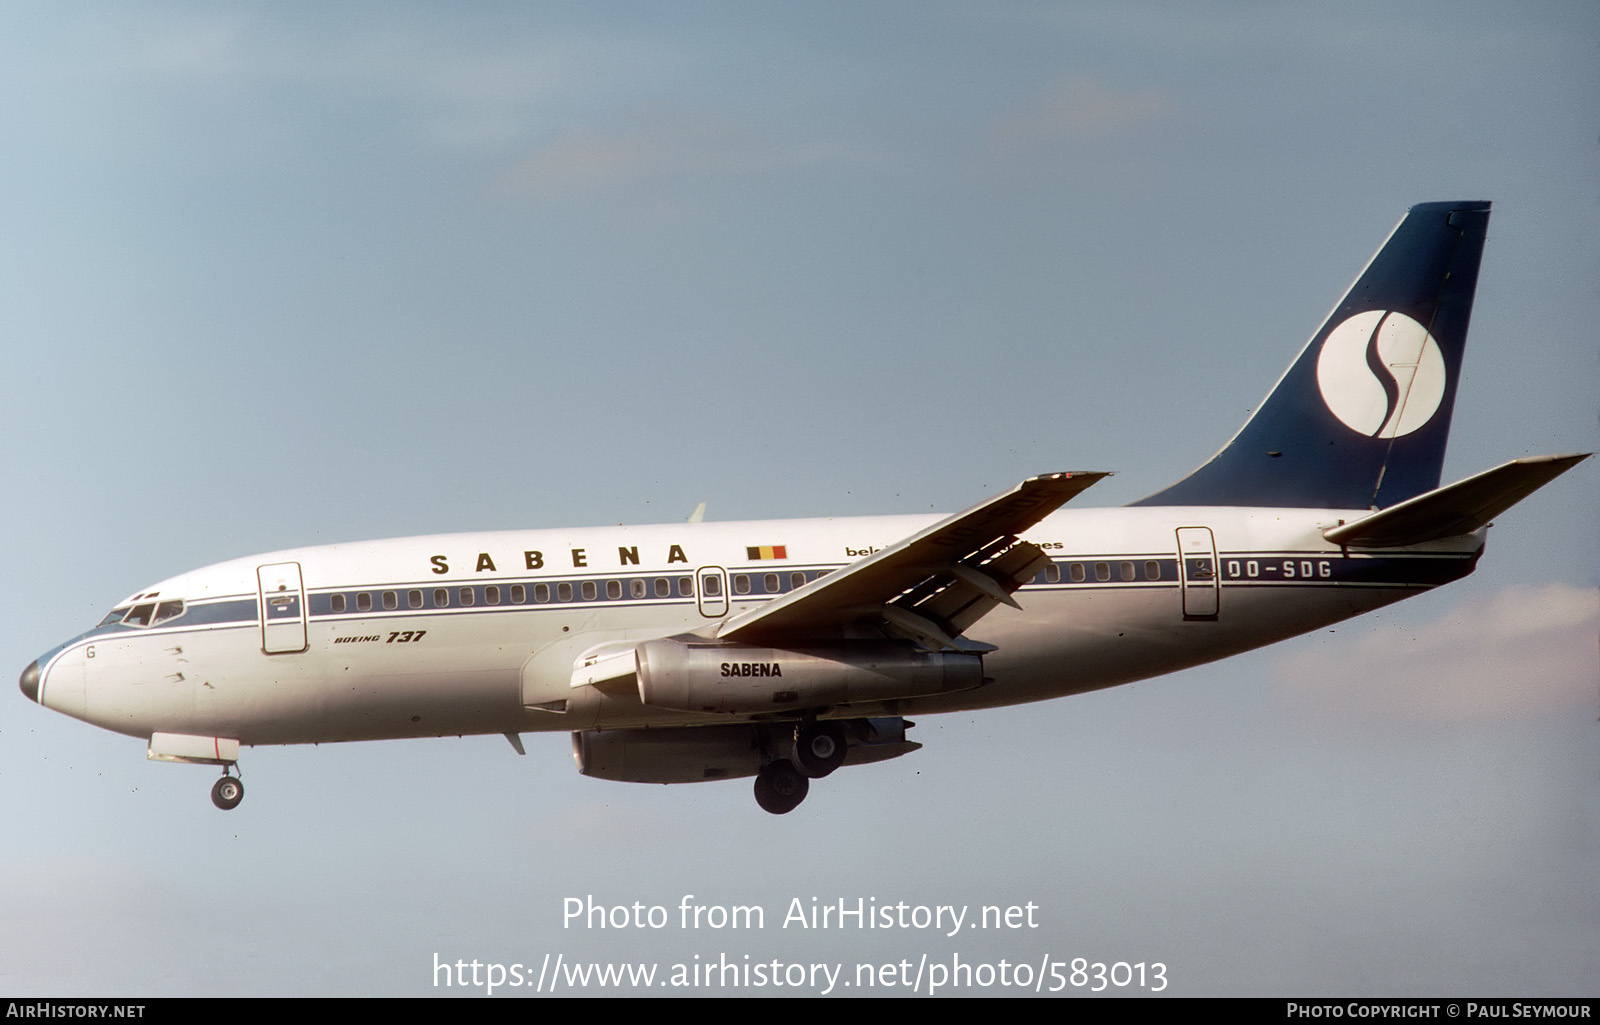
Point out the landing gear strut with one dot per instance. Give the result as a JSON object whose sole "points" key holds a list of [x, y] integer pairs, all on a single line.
{"points": [[227, 792], [780, 787]]}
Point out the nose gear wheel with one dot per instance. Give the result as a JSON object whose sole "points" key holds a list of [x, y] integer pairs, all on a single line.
{"points": [[227, 792]]}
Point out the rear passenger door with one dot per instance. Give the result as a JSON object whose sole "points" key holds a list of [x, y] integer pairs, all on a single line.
{"points": [[1197, 573]]}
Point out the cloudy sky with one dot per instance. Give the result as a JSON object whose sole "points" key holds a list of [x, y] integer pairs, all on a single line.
{"points": [[288, 274]]}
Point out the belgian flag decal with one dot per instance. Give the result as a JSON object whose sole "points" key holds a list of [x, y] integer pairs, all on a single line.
{"points": [[767, 552]]}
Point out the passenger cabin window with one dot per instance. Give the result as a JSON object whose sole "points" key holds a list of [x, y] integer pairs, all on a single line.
{"points": [[770, 584], [741, 584], [1078, 575], [1052, 574], [519, 594], [1102, 571], [414, 599], [589, 590], [563, 591], [663, 587], [337, 603], [797, 580], [491, 595], [541, 593], [465, 596], [1127, 571], [363, 602], [686, 587], [391, 601], [1152, 570], [636, 587], [441, 598], [613, 589]]}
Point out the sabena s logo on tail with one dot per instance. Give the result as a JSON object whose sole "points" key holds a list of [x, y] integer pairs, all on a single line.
{"points": [[1381, 373]]}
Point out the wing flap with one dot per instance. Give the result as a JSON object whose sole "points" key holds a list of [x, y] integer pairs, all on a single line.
{"points": [[975, 586], [946, 577]]}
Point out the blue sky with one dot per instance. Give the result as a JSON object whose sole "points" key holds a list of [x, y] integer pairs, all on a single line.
{"points": [[290, 274]]}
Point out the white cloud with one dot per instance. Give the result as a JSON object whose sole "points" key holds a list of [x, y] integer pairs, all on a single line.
{"points": [[667, 146], [1525, 650], [447, 82], [1077, 108]]}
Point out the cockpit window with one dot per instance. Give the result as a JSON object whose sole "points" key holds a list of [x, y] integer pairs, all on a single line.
{"points": [[115, 615], [150, 613]]}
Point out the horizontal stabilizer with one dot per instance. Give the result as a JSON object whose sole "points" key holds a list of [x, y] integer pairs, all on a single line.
{"points": [[1456, 509]]}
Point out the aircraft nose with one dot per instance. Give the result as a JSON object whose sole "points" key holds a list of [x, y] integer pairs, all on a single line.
{"points": [[30, 681]]}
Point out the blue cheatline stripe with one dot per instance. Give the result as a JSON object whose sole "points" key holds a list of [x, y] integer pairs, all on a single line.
{"points": [[1277, 568], [1393, 570]]}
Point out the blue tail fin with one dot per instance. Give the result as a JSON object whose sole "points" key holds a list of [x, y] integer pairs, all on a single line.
{"points": [[1361, 417]]}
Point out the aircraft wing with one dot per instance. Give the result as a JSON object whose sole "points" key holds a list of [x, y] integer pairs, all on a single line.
{"points": [[928, 588]]}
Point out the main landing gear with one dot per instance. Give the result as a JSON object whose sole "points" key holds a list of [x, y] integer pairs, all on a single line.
{"points": [[780, 788], [819, 748], [228, 791]]}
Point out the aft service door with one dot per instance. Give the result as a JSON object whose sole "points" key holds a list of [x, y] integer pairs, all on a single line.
{"points": [[711, 590], [1197, 572], [283, 608]]}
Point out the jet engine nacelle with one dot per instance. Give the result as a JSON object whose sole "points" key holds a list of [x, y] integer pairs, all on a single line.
{"points": [[695, 754], [696, 676], [668, 755]]}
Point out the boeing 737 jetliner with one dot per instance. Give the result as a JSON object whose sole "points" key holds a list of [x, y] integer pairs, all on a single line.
{"points": [[786, 649]]}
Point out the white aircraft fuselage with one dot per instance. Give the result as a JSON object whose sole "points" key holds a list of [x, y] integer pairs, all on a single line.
{"points": [[479, 647]]}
